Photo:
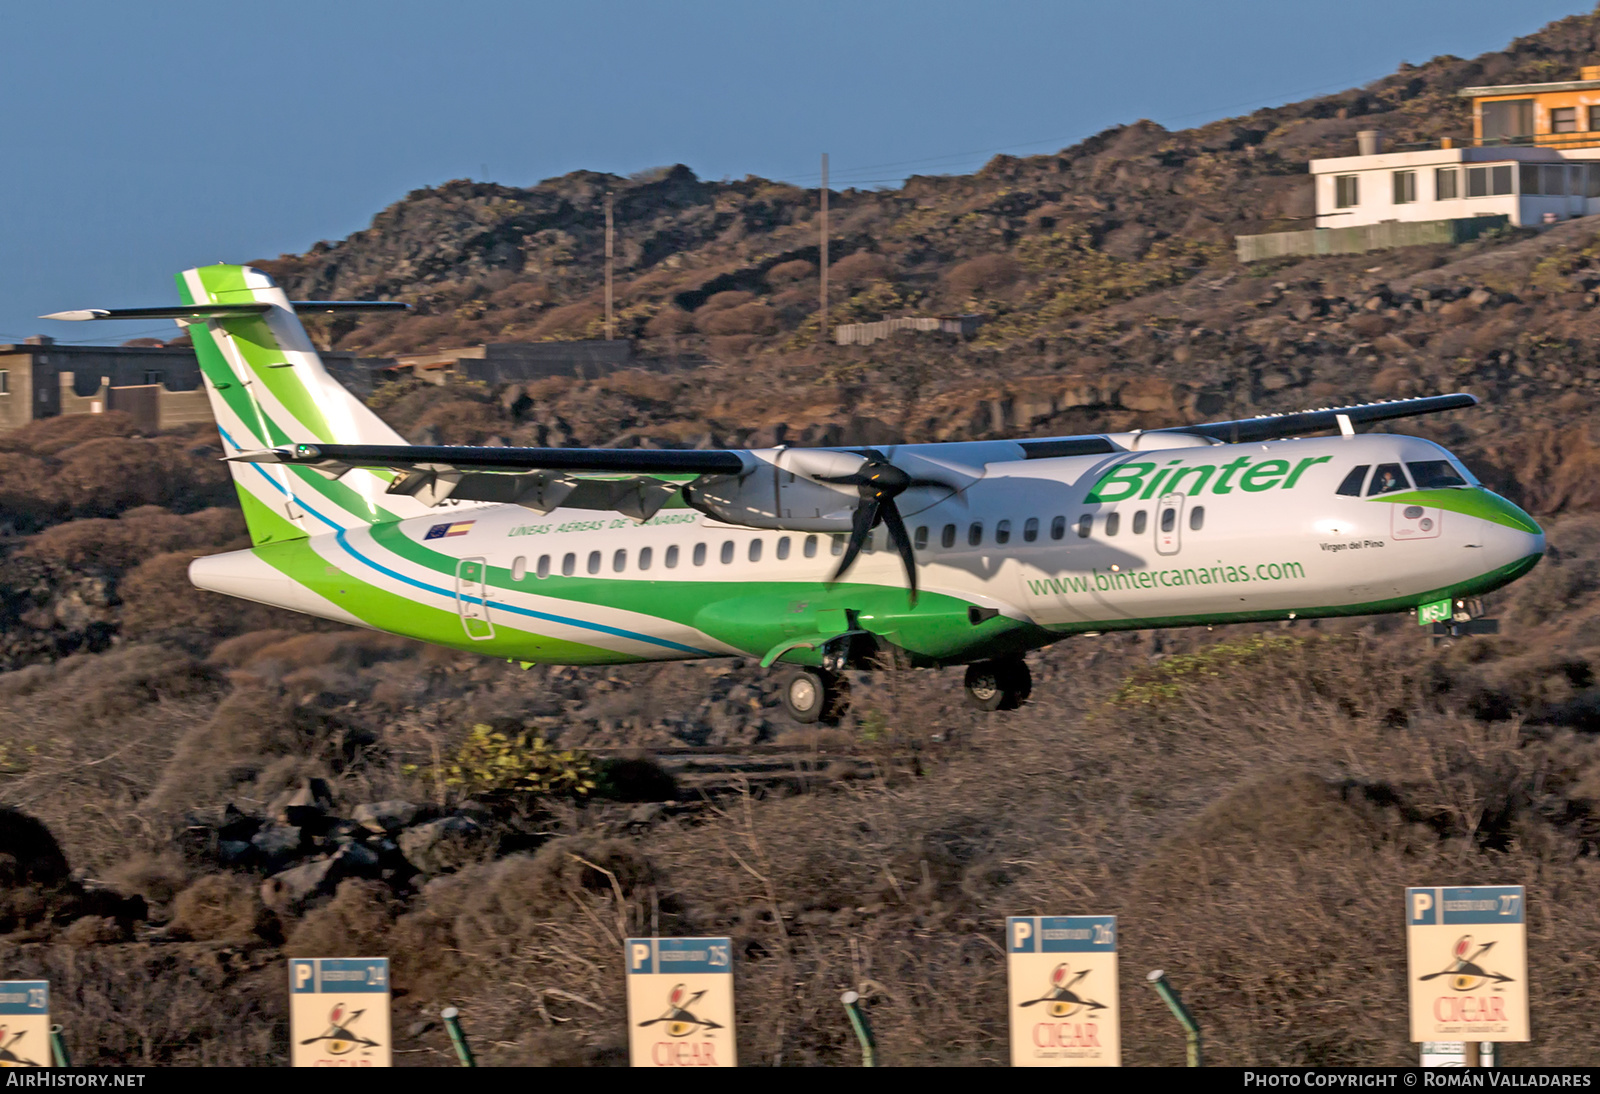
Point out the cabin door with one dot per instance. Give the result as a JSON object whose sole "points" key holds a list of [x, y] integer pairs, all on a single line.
{"points": [[472, 598], [1169, 524]]}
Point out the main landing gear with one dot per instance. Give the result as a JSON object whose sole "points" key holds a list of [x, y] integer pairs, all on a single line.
{"points": [[999, 685], [815, 695]]}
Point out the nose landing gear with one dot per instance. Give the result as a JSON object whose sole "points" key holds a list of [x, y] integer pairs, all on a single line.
{"points": [[815, 695], [999, 685]]}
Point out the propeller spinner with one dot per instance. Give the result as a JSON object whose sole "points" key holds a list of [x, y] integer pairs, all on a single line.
{"points": [[879, 483]]}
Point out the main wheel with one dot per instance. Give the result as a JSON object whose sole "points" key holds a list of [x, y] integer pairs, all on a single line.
{"points": [[999, 685], [814, 695]]}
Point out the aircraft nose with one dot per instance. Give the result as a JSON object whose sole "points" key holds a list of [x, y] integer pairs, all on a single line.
{"points": [[1514, 539]]}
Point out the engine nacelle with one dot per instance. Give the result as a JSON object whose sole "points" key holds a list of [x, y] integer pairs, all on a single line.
{"points": [[783, 492]]}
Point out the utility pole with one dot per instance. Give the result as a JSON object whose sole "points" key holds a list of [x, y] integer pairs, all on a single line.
{"points": [[822, 319], [610, 327]]}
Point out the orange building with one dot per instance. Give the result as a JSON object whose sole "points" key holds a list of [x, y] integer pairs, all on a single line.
{"points": [[1555, 115]]}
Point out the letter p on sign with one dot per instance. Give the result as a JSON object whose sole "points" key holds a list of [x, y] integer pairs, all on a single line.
{"points": [[1021, 931], [638, 954], [302, 974], [1421, 901]]}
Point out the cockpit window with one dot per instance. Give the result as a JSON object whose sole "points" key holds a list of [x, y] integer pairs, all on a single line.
{"points": [[1435, 474], [1388, 478], [1351, 486]]}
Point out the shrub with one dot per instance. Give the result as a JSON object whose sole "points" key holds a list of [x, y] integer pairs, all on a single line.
{"points": [[860, 268], [787, 273], [669, 322], [156, 876], [752, 318], [356, 921], [490, 762], [722, 300], [220, 908], [983, 275]]}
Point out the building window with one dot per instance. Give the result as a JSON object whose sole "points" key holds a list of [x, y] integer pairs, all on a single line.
{"points": [[1591, 186], [1477, 182], [5, 381], [1554, 179], [1594, 118], [1564, 119], [1528, 178], [1500, 179], [1346, 191], [1446, 184], [1405, 187], [1509, 121]]}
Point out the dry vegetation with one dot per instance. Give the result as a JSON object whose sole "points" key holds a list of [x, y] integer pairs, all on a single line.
{"points": [[1250, 802]]}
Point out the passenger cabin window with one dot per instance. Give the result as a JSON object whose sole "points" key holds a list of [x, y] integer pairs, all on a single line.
{"points": [[519, 568], [569, 564], [836, 545], [1030, 530], [619, 562], [1169, 518], [672, 557], [1141, 520], [594, 562], [1002, 532], [920, 539], [810, 550], [1085, 526], [699, 554], [755, 550], [1351, 486], [975, 533], [947, 538], [1197, 518], [1387, 479], [1058, 527], [646, 556], [1435, 474], [1113, 523], [544, 567], [727, 552], [783, 547]]}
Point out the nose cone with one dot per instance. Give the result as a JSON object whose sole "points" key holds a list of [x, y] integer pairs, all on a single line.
{"points": [[1513, 540]]}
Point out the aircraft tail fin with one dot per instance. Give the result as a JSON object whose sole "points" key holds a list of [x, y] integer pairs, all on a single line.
{"points": [[268, 388]]}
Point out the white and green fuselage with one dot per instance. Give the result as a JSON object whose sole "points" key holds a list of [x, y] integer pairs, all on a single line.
{"points": [[1012, 552]]}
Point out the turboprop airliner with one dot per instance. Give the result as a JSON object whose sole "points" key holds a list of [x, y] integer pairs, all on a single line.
{"points": [[820, 559]]}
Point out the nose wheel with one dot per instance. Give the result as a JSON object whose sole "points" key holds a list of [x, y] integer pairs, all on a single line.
{"points": [[815, 695], [999, 685]]}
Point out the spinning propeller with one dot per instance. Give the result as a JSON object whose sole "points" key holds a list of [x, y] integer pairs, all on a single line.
{"points": [[879, 482]]}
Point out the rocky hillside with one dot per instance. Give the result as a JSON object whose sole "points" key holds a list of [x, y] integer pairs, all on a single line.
{"points": [[223, 785]]}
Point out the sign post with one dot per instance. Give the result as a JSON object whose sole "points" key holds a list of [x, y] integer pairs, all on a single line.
{"points": [[339, 1012], [1467, 959], [1063, 986], [680, 1002], [25, 1023]]}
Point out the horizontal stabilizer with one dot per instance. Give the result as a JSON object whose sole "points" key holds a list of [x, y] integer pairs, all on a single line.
{"points": [[221, 311]]}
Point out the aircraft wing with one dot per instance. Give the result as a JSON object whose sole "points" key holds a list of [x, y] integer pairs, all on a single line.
{"points": [[1298, 424]]}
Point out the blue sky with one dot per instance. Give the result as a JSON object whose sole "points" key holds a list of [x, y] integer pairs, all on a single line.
{"points": [[138, 139]]}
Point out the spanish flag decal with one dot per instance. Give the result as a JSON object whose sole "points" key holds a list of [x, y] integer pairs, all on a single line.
{"points": [[445, 531]]}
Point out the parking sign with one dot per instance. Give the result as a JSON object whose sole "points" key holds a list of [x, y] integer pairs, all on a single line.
{"points": [[25, 1023], [339, 1012], [1063, 985], [680, 1002], [1467, 960]]}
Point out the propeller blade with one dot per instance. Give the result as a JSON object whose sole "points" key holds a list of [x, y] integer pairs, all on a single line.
{"points": [[902, 543], [862, 522]]}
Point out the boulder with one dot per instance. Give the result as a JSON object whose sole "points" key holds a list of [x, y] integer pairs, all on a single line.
{"points": [[386, 816], [278, 844], [291, 890], [305, 805], [355, 860], [438, 846]]}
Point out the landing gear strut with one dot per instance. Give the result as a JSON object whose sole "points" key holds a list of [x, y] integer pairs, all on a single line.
{"points": [[815, 695], [999, 685]]}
